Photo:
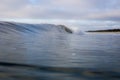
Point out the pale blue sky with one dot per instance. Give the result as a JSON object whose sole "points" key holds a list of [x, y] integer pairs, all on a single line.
{"points": [[61, 9], [102, 12]]}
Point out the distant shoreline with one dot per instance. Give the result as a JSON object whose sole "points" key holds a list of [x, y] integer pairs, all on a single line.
{"points": [[105, 31]]}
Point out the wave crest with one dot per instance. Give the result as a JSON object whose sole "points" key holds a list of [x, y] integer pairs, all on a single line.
{"points": [[13, 27]]}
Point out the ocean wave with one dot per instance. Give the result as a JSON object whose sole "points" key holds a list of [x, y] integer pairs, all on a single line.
{"points": [[14, 27]]}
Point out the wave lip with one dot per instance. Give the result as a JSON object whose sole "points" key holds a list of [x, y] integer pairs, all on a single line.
{"points": [[66, 29]]}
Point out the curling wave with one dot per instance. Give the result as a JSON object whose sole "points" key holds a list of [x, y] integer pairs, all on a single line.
{"points": [[13, 27]]}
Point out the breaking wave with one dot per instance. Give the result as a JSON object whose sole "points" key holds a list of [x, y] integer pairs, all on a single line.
{"points": [[22, 28]]}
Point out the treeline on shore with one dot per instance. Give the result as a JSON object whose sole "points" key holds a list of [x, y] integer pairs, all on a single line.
{"points": [[108, 30]]}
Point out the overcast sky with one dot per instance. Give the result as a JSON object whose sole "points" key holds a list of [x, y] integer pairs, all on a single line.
{"points": [[87, 10], [61, 9]]}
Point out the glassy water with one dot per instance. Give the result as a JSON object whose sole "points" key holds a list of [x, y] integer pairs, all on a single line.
{"points": [[58, 56]]}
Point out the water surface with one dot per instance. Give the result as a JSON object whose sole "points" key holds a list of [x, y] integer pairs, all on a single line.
{"points": [[59, 56]]}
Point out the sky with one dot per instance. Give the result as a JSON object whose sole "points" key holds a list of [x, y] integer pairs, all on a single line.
{"points": [[96, 12]]}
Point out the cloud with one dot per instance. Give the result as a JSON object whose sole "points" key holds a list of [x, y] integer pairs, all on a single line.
{"points": [[112, 15], [61, 9]]}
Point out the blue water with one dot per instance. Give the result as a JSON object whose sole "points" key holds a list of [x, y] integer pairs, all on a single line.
{"points": [[58, 56]]}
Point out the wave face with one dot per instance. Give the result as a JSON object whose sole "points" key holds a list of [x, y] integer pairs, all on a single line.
{"points": [[22, 28]]}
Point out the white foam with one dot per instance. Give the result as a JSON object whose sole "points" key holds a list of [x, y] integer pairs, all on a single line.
{"points": [[76, 30]]}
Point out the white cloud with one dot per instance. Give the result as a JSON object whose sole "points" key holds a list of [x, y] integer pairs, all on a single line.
{"points": [[61, 9], [108, 15]]}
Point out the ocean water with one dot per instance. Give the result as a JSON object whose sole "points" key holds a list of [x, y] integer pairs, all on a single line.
{"points": [[28, 53]]}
